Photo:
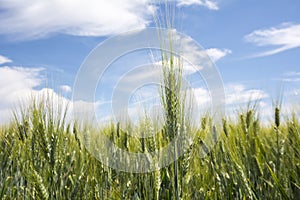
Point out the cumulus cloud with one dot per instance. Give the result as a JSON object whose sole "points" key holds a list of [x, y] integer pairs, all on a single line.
{"points": [[212, 5], [188, 68], [217, 54], [34, 19], [280, 38], [19, 86], [15, 81], [4, 60], [16, 84], [238, 94], [194, 54]]}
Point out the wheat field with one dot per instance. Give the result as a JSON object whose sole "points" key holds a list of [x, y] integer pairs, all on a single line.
{"points": [[42, 157]]}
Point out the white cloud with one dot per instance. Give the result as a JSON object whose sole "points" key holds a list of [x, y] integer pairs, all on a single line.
{"points": [[238, 98], [4, 60], [187, 68], [192, 53], [238, 94], [15, 81], [33, 19], [292, 73], [16, 84], [284, 37], [294, 79], [19, 86], [217, 54], [212, 5], [290, 77], [65, 88], [201, 96]]}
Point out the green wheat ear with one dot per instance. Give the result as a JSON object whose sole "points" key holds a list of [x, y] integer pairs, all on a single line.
{"points": [[277, 116]]}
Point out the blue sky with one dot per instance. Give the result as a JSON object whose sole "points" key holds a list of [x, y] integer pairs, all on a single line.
{"points": [[255, 44]]}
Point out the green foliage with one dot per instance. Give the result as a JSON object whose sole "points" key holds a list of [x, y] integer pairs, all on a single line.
{"points": [[41, 157]]}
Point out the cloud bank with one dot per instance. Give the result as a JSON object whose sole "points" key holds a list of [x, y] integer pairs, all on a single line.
{"points": [[16, 85], [34, 19], [19, 86]]}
